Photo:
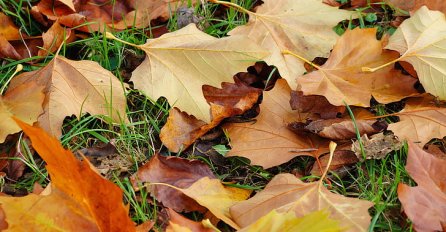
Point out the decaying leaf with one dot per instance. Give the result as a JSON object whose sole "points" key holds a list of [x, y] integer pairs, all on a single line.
{"points": [[178, 172], [420, 121], [425, 204], [317, 221], [267, 141], [315, 104], [79, 199], [187, 59], [25, 103], [287, 193], [342, 81], [74, 87], [377, 146], [341, 159], [420, 41], [301, 26], [178, 223], [181, 129]]}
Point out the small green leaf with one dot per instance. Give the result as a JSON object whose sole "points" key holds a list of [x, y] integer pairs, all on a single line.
{"points": [[221, 149], [371, 17]]}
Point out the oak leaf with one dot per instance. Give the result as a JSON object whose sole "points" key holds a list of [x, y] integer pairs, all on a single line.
{"points": [[301, 26], [79, 199], [178, 172], [425, 204], [267, 141], [342, 81], [420, 121], [419, 40], [72, 87], [187, 59], [287, 193]]}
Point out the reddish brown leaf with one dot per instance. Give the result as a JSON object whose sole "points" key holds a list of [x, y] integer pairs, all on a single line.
{"points": [[413, 5], [8, 29], [53, 39], [341, 158], [315, 104], [425, 204], [175, 171]]}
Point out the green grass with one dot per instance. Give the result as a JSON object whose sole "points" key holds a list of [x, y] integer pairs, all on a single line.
{"points": [[137, 140]]}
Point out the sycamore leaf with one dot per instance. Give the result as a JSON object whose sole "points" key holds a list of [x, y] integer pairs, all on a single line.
{"points": [[75, 87], [181, 129], [301, 26], [24, 103], [342, 81], [178, 223], [267, 141], [425, 204], [315, 104], [341, 158], [80, 199], [187, 59], [421, 40], [175, 171], [317, 221], [420, 121], [286, 193], [54, 37]]}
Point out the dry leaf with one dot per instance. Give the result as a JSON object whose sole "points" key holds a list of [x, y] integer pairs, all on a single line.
{"points": [[267, 141], [301, 26], [72, 88], [187, 59], [315, 104], [341, 129], [80, 199], [341, 159], [8, 30], [53, 39], [420, 41], [25, 103], [178, 223], [179, 172], [342, 81], [181, 129], [287, 193], [425, 204], [413, 5], [420, 121], [377, 146]]}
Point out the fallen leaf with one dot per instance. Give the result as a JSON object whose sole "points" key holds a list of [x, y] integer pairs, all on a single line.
{"points": [[377, 146], [419, 40], [342, 81], [178, 172], [267, 141], [301, 26], [420, 121], [315, 104], [80, 199], [317, 221], [178, 223], [413, 5], [74, 87], [341, 159], [25, 103], [425, 204], [187, 59], [53, 39], [287, 193], [181, 129], [8, 29]]}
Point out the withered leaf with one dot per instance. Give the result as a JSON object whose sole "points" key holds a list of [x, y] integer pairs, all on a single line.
{"points": [[315, 104]]}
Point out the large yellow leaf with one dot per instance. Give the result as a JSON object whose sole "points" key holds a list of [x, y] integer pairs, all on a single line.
{"points": [[267, 141], [421, 41], [75, 87], [285, 193], [178, 64], [80, 199], [304, 27], [341, 79]]}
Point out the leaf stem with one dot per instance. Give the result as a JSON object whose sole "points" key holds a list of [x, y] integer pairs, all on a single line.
{"points": [[232, 5], [18, 68], [109, 35], [368, 69], [288, 52], [332, 148]]}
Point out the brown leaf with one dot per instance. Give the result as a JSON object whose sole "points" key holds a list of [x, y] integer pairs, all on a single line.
{"points": [[287, 193], [377, 146], [54, 37], [413, 5], [315, 104], [181, 129], [342, 81], [267, 141], [80, 199], [177, 223], [72, 87], [424, 204], [8, 30], [179, 172], [341, 158]]}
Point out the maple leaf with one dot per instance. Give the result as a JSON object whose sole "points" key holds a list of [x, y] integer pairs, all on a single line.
{"points": [[178, 172], [420, 40], [286, 193], [181, 129], [267, 141], [317, 221], [25, 103], [72, 87], [424, 204], [301, 26], [80, 199], [187, 59], [420, 121], [342, 81]]}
